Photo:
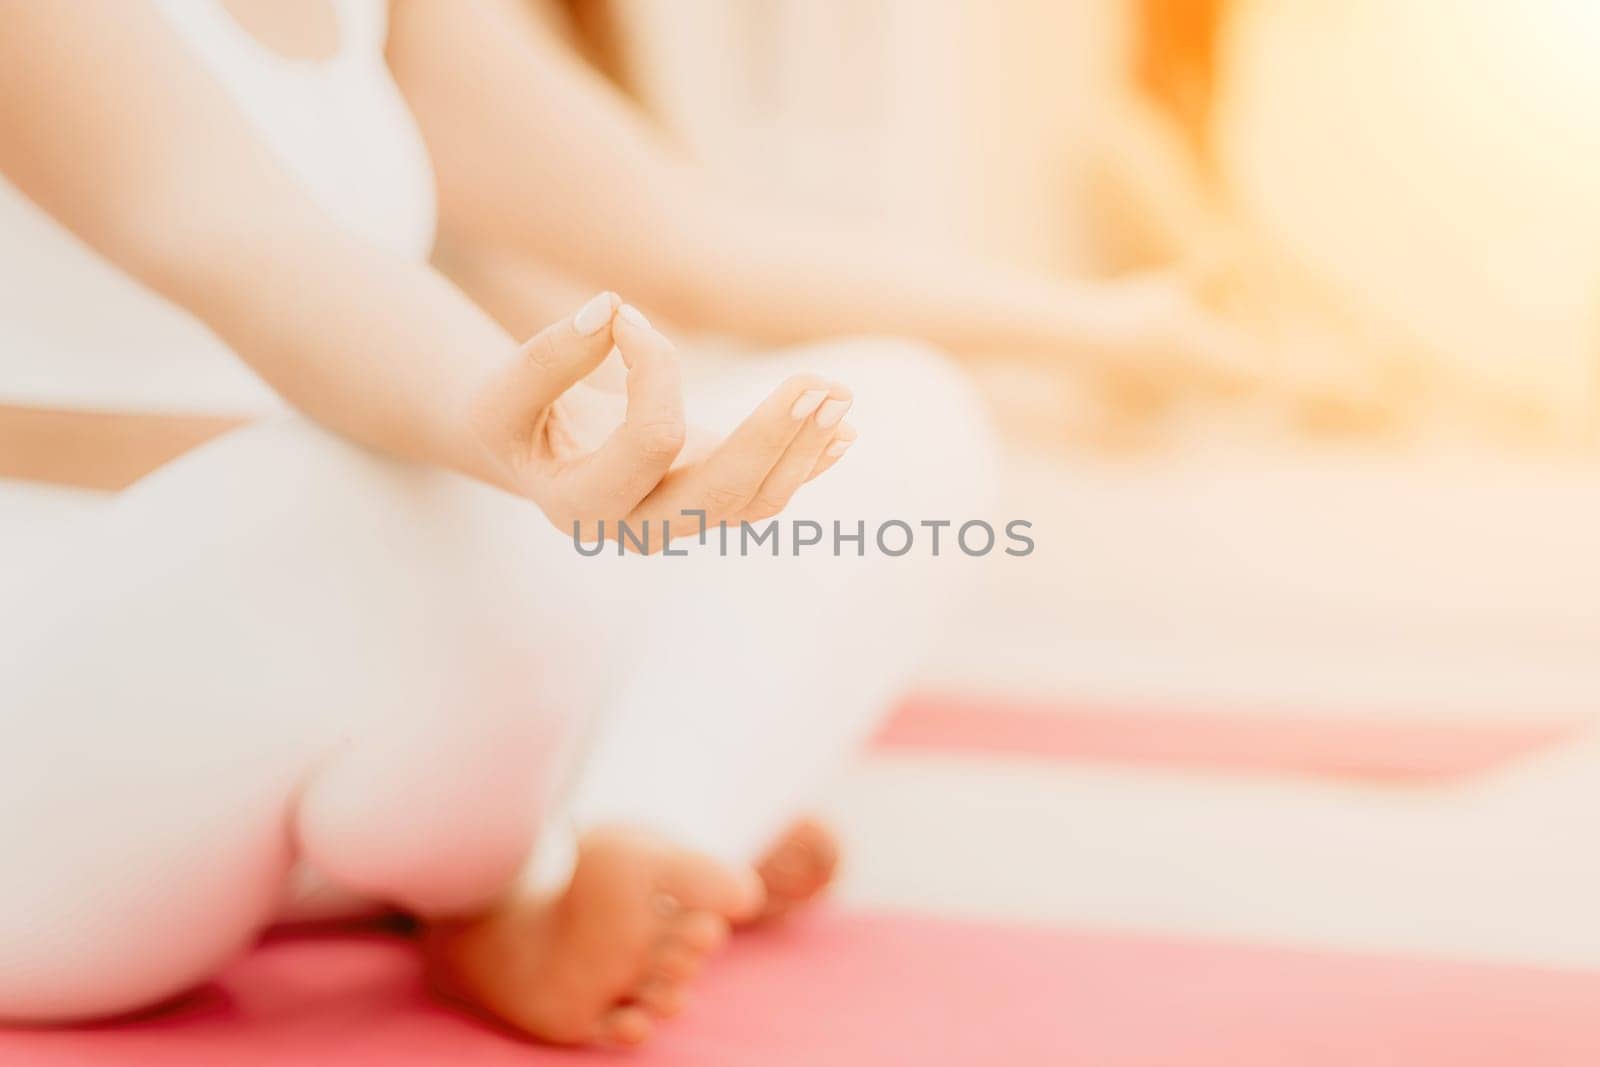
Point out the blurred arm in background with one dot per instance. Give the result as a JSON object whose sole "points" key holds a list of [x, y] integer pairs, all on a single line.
{"points": [[546, 170], [1164, 190]]}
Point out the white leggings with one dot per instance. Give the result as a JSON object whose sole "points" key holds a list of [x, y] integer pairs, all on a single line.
{"points": [[281, 653]]}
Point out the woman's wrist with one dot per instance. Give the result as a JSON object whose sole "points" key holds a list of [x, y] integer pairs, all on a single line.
{"points": [[461, 445]]}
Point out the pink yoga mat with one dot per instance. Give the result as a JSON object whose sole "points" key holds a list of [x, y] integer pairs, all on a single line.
{"points": [[863, 991], [1327, 746]]}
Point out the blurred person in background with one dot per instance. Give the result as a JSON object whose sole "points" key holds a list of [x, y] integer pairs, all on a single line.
{"points": [[261, 665], [1171, 186], [1172, 330], [1161, 197], [721, 265]]}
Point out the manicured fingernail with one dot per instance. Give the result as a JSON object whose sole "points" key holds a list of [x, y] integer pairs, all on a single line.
{"points": [[832, 412], [807, 403], [634, 315], [839, 448], [593, 316]]}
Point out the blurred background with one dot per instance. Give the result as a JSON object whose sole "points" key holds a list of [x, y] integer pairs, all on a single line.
{"points": [[1396, 192], [1397, 195]]}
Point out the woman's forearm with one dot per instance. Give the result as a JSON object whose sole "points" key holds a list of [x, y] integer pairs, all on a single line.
{"points": [[382, 351], [777, 283]]}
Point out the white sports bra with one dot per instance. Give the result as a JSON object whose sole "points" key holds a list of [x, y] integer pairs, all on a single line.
{"points": [[75, 332]]}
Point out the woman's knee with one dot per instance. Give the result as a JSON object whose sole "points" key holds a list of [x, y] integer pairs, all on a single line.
{"points": [[439, 832]]}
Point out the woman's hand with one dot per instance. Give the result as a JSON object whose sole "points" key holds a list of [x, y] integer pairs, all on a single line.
{"points": [[1151, 335], [1157, 343], [592, 460]]}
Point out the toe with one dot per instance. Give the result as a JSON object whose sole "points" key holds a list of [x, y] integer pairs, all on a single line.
{"points": [[627, 1025], [799, 867], [676, 961], [700, 932], [660, 997], [818, 840], [803, 862], [790, 871], [701, 883]]}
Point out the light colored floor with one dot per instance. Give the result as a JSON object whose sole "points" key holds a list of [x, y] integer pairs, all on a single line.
{"points": [[1313, 582], [1324, 584]]}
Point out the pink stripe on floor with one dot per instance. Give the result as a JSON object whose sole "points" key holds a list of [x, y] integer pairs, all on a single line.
{"points": [[1327, 746], [863, 991]]}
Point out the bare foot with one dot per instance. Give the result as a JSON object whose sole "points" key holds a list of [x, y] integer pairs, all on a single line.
{"points": [[600, 961], [798, 868]]}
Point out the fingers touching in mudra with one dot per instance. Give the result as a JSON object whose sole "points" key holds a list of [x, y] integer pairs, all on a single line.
{"points": [[592, 459]]}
